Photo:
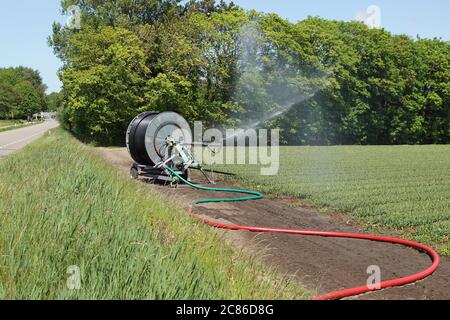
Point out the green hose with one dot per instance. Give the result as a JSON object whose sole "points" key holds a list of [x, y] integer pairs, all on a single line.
{"points": [[254, 195]]}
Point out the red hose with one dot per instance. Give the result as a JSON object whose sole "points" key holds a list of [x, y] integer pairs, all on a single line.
{"points": [[353, 291], [333, 295]]}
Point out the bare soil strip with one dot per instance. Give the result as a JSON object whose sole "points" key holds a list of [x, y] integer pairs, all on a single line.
{"points": [[318, 264]]}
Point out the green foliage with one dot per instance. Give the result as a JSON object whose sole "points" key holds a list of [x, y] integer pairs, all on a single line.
{"points": [[129, 243], [22, 93], [195, 76], [124, 13], [53, 101], [381, 91], [332, 82], [103, 85], [7, 100]]}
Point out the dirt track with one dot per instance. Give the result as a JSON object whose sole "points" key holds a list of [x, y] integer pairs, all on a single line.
{"points": [[319, 264]]}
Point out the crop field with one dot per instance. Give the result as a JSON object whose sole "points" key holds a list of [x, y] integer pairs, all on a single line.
{"points": [[70, 209], [401, 188]]}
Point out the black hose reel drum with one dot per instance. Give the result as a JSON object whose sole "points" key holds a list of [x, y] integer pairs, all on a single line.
{"points": [[147, 138]]}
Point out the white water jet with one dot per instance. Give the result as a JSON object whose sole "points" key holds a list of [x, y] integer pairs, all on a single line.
{"points": [[283, 93]]}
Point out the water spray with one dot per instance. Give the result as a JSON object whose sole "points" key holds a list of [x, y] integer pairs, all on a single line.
{"points": [[268, 92]]}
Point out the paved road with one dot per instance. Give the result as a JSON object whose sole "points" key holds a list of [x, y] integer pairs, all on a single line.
{"points": [[13, 140]]}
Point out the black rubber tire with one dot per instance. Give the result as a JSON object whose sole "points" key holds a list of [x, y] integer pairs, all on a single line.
{"points": [[136, 138], [134, 173]]}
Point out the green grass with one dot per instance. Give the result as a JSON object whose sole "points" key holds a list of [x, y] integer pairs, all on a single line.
{"points": [[401, 188], [63, 205], [7, 125]]}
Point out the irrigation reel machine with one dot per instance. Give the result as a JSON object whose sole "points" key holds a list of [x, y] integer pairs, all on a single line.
{"points": [[161, 145]]}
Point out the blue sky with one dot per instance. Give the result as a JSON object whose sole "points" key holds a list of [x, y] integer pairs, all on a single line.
{"points": [[26, 24]]}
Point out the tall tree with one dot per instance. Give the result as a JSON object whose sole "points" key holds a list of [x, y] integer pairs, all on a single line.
{"points": [[103, 82], [54, 101], [22, 93]]}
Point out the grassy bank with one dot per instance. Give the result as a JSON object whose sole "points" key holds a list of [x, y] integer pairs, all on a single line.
{"points": [[7, 123], [10, 125], [402, 188], [70, 208]]}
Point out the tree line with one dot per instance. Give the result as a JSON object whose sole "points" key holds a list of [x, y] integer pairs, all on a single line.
{"points": [[22, 93], [321, 82]]}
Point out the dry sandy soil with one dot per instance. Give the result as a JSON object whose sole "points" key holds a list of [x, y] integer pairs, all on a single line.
{"points": [[321, 265]]}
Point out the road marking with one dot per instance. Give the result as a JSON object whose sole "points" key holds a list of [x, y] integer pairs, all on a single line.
{"points": [[24, 139]]}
